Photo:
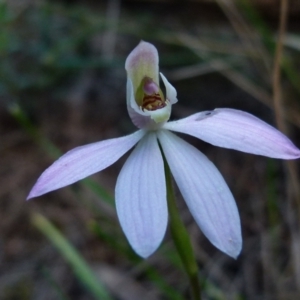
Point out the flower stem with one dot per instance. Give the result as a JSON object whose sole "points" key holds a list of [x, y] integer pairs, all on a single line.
{"points": [[181, 238]]}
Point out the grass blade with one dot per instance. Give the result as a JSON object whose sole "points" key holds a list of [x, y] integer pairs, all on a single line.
{"points": [[76, 261]]}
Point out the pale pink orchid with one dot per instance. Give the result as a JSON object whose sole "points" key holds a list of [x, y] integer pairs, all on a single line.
{"points": [[141, 186]]}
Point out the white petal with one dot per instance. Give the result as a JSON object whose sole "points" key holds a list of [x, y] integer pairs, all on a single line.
{"points": [[142, 61], [82, 162], [170, 90], [234, 129], [141, 197], [139, 118], [205, 192]]}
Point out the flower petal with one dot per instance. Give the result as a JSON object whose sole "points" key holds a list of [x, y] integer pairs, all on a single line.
{"points": [[139, 118], [141, 62], [205, 192], [170, 90], [141, 197], [235, 129], [82, 162]]}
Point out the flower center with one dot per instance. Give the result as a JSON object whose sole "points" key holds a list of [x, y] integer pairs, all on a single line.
{"points": [[152, 98], [153, 102]]}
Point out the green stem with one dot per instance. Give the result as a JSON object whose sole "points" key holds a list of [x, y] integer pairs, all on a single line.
{"points": [[181, 238]]}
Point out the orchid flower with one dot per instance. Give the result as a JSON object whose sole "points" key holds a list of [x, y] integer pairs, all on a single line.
{"points": [[141, 185]]}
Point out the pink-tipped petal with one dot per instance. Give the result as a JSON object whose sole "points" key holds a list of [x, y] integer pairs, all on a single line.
{"points": [[141, 197], [142, 80], [82, 162], [205, 192], [142, 62], [235, 129], [170, 90]]}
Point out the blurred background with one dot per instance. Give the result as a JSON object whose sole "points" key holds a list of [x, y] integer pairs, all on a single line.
{"points": [[62, 84]]}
